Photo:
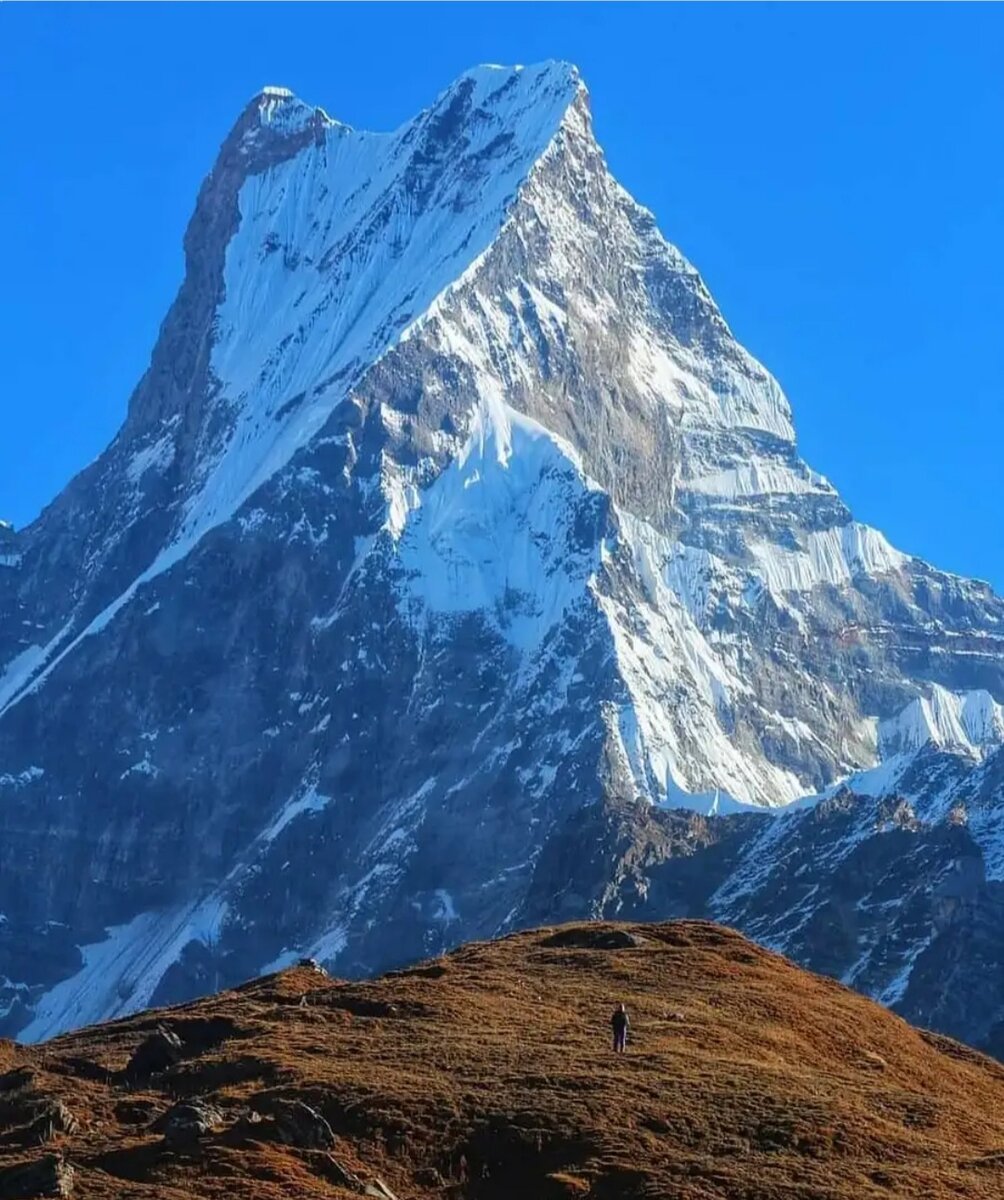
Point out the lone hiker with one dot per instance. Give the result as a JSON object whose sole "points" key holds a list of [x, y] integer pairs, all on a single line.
{"points": [[620, 1023]]}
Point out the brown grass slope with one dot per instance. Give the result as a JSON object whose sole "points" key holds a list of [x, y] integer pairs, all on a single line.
{"points": [[487, 1074]]}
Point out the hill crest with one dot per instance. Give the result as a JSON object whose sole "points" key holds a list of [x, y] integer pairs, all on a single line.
{"points": [[487, 1073]]}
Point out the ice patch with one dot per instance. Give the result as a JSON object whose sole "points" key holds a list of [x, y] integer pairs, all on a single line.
{"points": [[895, 989], [285, 959], [680, 753], [328, 946], [877, 781], [447, 912], [496, 532], [143, 767], [834, 556], [120, 974], [741, 399], [309, 801], [20, 668], [969, 721], [22, 778], [760, 477], [159, 455]]}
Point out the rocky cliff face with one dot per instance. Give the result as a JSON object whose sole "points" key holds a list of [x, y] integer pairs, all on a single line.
{"points": [[449, 523], [898, 894]]}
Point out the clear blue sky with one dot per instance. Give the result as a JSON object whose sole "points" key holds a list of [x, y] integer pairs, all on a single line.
{"points": [[835, 172]]}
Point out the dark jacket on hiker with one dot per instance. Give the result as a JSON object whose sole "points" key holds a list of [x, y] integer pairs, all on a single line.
{"points": [[619, 1023]]}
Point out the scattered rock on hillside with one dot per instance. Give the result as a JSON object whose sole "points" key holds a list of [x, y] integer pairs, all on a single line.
{"points": [[583, 937], [47, 1176], [162, 1049], [32, 1119], [13, 1081], [136, 1112], [378, 1189], [184, 1123], [297, 1124], [339, 1174], [49, 1117]]}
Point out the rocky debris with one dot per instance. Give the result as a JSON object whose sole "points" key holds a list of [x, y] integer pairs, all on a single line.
{"points": [[199, 1035], [186, 1122], [248, 1126], [19, 1077], [34, 1119], [338, 1173], [430, 1177], [50, 1175], [136, 1112], [17, 1110], [50, 1117], [583, 937], [377, 1188], [162, 1049], [297, 1124]]}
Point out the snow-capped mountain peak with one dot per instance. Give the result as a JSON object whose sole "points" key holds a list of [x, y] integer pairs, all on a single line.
{"points": [[341, 247], [282, 111], [448, 515]]}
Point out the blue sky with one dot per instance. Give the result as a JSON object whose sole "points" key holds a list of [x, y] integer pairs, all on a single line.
{"points": [[835, 172]]}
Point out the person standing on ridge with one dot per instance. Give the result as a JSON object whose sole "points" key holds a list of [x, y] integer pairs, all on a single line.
{"points": [[620, 1024]]}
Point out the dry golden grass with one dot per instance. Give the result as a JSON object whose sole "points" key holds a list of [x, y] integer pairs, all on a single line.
{"points": [[488, 1075]]}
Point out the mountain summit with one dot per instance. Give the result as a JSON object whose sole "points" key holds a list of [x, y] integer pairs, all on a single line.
{"points": [[450, 546]]}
